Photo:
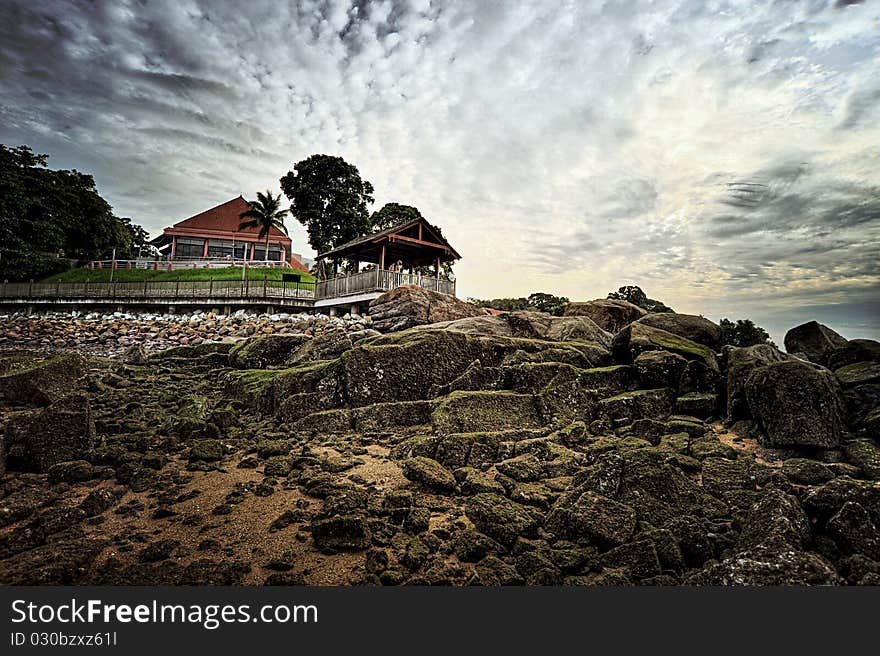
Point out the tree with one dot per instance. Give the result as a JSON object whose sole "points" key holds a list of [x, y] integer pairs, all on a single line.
{"points": [[636, 296], [391, 214], [743, 333], [265, 213], [548, 303], [47, 215], [537, 302], [328, 196]]}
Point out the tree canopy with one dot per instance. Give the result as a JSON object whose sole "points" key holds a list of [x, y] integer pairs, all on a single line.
{"points": [[391, 214], [636, 296], [743, 333], [49, 214], [536, 302], [329, 197]]}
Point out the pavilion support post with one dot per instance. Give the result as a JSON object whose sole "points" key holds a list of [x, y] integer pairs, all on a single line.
{"points": [[437, 267], [382, 259]]}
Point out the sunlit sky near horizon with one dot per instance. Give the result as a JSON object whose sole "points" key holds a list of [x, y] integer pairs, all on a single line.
{"points": [[725, 156]]}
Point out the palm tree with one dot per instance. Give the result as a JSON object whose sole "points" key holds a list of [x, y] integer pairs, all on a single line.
{"points": [[265, 214]]}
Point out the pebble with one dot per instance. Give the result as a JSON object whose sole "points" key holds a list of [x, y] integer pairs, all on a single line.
{"points": [[110, 333]]}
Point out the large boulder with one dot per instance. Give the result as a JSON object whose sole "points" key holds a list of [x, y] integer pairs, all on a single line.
{"points": [[855, 350], [776, 564], [411, 305], [608, 314], [38, 439], [813, 341], [797, 404], [528, 325], [741, 363], [265, 351], [695, 328], [45, 381], [638, 337], [326, 345]]}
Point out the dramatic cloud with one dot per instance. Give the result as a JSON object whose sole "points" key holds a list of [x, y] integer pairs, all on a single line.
{"points": [[723, 155]]}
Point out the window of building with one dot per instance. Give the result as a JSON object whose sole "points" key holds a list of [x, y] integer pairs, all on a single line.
{"points": [[274, 252], [189, 247]]}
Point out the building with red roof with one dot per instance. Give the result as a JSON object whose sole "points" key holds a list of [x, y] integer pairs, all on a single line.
{"points": [[215, 233]]}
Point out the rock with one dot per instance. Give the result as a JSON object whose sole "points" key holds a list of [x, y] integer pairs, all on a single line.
{"points": [[500, 518], [858, 373], [741, 363], [574, 328], [696, 404], [659, 369], [430, 473], [771, 565], [158, 550], [98, 501], [135, 355], [74, 471], [638, 338], [587, 515], [265, 351], [855, 350], [492, 571], [854, 532], [823, 503], [638, 559], [342, 533], [610, 315], [638, 404], [411, 305], [45, 381], [468, 412], [865, 454], [208, 450], [38, 439], [798, 404], [691, 327], [813, 340], [776, 517], [806, 471], [326, 345]]}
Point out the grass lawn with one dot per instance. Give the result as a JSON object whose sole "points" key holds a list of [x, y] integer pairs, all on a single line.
{"points": [[139, 275]]}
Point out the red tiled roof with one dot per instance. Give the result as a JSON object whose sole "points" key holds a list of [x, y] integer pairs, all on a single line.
{"points": [[296, 264], [223, 218]]}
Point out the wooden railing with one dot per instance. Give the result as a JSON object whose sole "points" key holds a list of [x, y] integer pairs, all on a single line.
{"points": [[170, 290], [377, 281]]}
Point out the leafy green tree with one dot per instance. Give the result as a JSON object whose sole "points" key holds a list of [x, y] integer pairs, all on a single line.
{"points": [[47, 215], [743, 333], [328, 196], [265, 213], [391, 214], [537, 302], [548, 303], [636, 296]]}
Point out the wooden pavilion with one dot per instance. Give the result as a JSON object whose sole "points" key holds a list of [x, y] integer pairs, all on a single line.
{"points": [[395, 253], [414, 243]]}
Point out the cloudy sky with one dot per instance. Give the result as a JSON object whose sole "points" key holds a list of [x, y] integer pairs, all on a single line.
{"points": [[725, 156]]}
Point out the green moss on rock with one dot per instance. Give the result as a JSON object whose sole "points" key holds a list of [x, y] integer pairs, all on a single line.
{"points": [[466, 412]]}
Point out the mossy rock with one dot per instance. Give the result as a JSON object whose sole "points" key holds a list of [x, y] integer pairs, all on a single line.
{"points": [[467, 412], [327, 422], [252, 386], [638, 404], [638, 338], [384, 416], [44, 381], [592, 517], [207, 450], [697, 404], [265, 351], [858, 373], [865, 454], [500, 518], [429, 473], [417, 445], [342, 533]]}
